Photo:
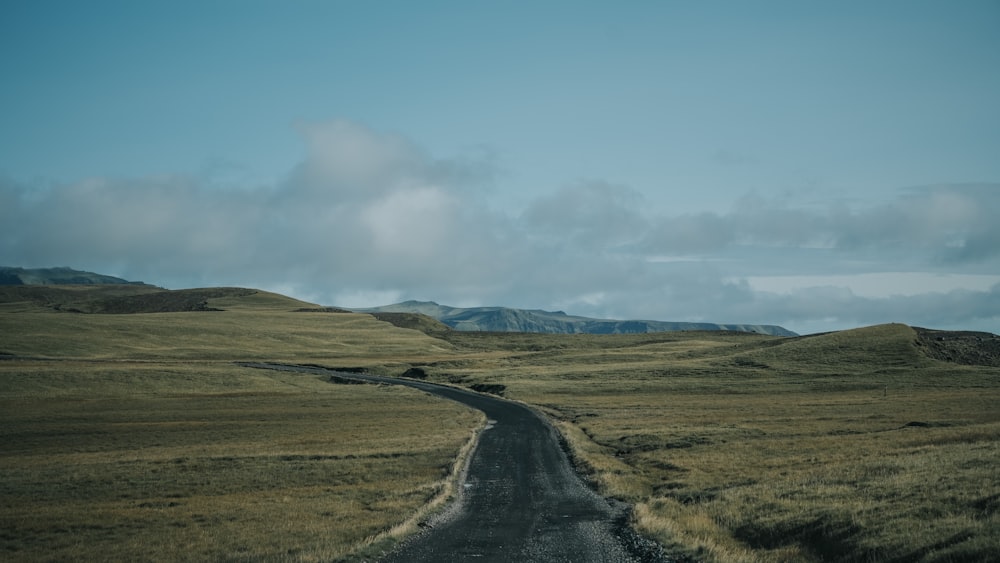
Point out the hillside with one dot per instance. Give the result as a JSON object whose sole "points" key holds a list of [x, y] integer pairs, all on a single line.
{"points": [[57, 289], [961, 347], [56, 276], [134, 298], [505, 319], [123, 433], [416, 321], [880, 441]]}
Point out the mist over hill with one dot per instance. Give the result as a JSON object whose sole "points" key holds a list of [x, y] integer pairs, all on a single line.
{"points": [[506, 319]]}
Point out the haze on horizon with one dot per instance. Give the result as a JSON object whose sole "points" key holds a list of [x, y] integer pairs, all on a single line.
{"points": [[814, 166]]}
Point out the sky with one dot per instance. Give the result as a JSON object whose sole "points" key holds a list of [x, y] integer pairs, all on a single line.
{"points": [[815, 165]]}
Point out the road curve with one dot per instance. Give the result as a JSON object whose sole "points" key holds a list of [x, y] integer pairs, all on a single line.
{"points": [[521, 501]]}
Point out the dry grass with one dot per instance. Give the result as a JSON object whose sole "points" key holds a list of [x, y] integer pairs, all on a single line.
{"points": [[276, 466], [135, 437], [213, 336], [747, 448]]}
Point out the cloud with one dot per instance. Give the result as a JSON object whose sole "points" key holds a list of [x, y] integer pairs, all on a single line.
{"points": [[944, 224], [347, 162], [690, 234], [162, 221], [952, 223], [593, 214], [841, 308], [410, 224], [369, 216], [363, 208], [372, 212]]}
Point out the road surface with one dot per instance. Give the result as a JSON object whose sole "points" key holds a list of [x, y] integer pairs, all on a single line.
{"points": [[521, 500]]}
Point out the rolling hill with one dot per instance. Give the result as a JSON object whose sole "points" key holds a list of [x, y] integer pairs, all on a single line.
{"points": [[57, 276], [53, 288], [137, 298], [878, 443], [505, 319]]}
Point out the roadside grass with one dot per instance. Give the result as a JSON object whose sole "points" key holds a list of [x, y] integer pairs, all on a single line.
{"points": [[849, 446]]}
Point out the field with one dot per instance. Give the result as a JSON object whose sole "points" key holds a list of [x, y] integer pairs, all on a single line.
{"points": [[136, 437], [851, 446]]}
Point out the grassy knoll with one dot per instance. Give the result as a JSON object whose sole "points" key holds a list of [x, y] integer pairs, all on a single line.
{"points": [[840, 447], [134, 437]]}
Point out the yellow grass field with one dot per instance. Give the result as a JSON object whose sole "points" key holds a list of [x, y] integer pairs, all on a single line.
{"points": [[850, 446], [135, 436]]}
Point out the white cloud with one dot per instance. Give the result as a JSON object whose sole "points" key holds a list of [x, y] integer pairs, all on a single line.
{"points": [[589, 214], [347, 161], [877, 284], [689, 234], [411, 224], [369, 217]]}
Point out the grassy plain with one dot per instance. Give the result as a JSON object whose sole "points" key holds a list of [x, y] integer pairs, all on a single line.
{"points": [[136, 437], [851, 446]]}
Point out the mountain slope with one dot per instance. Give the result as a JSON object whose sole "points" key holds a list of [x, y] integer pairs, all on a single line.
{"points": [[504, 319], [56, 276], [137, 298]]}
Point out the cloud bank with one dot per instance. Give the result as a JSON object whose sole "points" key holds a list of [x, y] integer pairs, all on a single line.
{"points": [[369, 217]]}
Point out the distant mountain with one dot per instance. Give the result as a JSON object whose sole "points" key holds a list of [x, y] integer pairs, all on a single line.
{"points": [[56, 276], [504, 319]]}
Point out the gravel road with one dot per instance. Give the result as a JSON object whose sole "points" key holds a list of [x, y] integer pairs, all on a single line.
{"points": [[521, 500]]}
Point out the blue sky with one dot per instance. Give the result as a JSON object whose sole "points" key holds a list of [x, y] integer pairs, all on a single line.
{"points": [[815, 165]]}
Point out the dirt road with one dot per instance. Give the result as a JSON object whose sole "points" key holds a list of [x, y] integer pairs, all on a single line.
{"points": [[521, 500]]}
